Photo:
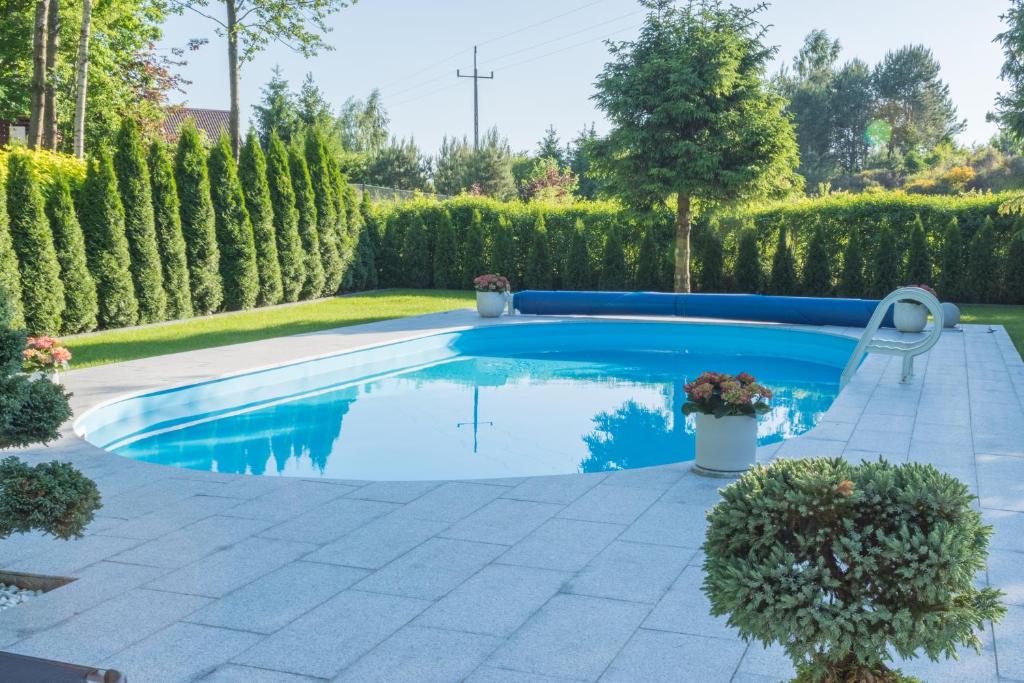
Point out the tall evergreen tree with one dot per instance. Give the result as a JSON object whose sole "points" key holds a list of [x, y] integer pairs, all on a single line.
{"points": [[355, 256], [538, 273], [447, 273], [851, 280], [579, 275], [286, 219], [503, 250], [982, 266], [417, 265], [951, 259], [748, 273], [234, 230], [613, 276], [106, 246], [305, 206], [318, 162], [369, 242], [169, 238], [42, 292], [198, 225], [783, 273], [133, 182], [80, 304], [919, 265], [12, 314], [344, 237], [648, 263], [474, 260], [1014, 277], [817, 274], [252, 172], [389, 261], [886, 267], [712, 275]]}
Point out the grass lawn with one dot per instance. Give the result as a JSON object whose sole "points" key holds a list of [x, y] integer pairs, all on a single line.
{"points": [[1012, 317], [114, 346]]}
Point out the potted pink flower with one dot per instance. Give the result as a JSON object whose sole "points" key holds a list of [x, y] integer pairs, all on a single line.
{"points": [[726, 409], [45, 356], [492, 293], [910, 316]]}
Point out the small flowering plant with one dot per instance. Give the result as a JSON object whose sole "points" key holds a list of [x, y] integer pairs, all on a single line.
{"points": [[925, 288], [45, 354], [721, 395], [491, 283]]}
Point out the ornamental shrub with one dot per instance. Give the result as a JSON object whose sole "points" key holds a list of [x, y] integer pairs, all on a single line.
{"points": [[613, 276], [198, 225], [51, 497], [887, 265], [447, 274], [748, 274], [252, 173], [305, 205], [783, 273], [318, 161], [234, 231], [817, 274], [919, 265], [983, 269], [845, 565], [80, 304], [286, 220], [106, 246], [133, 183], [42, 293], [578, 273], [648, 263], [169, 239], [712, 263], [474, 260], [537, 270], [1015, 266], [11, 311], [952, 263], [417, 262], [31, 411], [851, 281]]}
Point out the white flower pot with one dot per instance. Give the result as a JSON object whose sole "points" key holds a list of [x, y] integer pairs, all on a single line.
{"points": [[490, 304], [726, 446], [909, 316]]}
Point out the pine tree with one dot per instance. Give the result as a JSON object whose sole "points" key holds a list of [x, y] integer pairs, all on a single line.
{"points": [[982, 264], [252, 173], [198, 225], [851, 280], [952, 263], [919, 265], [503, 251], [417, 265], [169, 238], [475, 260], [817, 280], [613, 276], [446, 247], [578, 273], [286, 219], [886, 271], [748, 274], [106, 246], [133, 182], [309, 236], [538, 273], [42, 292], [1014, 278], [12, 314], [783, 274], [234, 230], [80, 305], [326, 209], [712, 277]]}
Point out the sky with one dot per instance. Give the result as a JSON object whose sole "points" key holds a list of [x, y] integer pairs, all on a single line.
{"points": [[545, 55]]}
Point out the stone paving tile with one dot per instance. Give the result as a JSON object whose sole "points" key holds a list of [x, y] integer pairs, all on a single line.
{"points": [[289, 501], [412, 655], [661, 657], [490, 674], [452, 501], [67, 558], [394, 491], [695, 490], [1009, 637], [502, 521], [330, 521], [971, 667], [832, 430], [676, 524], [233, 673], [612, 504], [1009, 529], [771, 662], [431, 569], [810, 448], [661, 478], [562, 544], [1001, 482], [496, 601], [562, 489], [880, 439], [171, 518], [271, 602], [157, 494], [637, 572], [180, 653], [685, 609], [334, 635], [1004, 572], [190, 543], [572, 636], [375, 544]]}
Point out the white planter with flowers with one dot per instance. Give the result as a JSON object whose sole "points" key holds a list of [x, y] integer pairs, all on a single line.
{"points": [[725, 409], [45, 357], [492, 294]]}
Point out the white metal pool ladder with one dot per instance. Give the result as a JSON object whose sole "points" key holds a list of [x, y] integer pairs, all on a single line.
{"points": [[896, 347]]}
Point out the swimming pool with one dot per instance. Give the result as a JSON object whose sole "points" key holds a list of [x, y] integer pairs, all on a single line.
{"points": [[495, 401]]}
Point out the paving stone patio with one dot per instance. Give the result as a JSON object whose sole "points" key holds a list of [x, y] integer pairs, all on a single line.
{"points": [[193, 576]]}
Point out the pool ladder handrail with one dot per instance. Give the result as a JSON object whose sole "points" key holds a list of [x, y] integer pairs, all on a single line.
{"points": [[897, 347]]}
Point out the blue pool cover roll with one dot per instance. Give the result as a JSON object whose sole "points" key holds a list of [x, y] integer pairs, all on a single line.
{"points": [[795, 310]]}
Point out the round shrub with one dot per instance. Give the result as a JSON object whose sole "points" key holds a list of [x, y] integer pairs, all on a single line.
{"points": [[234, 231], [80, 304], [305, 206], [252, 172], [846, 565], [197, 221], [51, 497], [169, 238]]}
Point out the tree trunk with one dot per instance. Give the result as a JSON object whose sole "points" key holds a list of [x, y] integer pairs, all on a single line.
{"points": [[683, 229], [50, 96], [35, 121], [233, 127], [82, 78]]}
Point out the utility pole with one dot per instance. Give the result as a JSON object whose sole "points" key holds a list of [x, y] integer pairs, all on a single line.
{"points": [[476, 99]]}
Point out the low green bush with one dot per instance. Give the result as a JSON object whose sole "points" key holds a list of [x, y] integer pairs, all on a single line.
{"points": [[51, 497]]}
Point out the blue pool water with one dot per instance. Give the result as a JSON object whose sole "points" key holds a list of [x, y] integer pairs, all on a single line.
{"points": [[508, 400]]}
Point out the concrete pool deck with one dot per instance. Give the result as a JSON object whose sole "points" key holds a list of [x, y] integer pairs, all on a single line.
{"points": [[194, 576]]}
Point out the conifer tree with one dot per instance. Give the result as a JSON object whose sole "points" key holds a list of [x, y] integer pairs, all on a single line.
{"points": [[106, 246], [133, 183], [286, 219], [234, 230], [12, 314], [342, 229], [886, 267], [317, 159], [369, 242], [417, 264], [80, 305], [712, 264], [474, 260], [42, 293], [748, 274], [613, 276], [1014, 279], [919, 265], [390, 254], [783, 274], [817, 275], [538, 273], [952, 263], [982, 264], [309, 236], [578, 273], [503, 251], [446, 258], [169, 238], [851, 280], [355, 259], [198, 225], [252, 173]]}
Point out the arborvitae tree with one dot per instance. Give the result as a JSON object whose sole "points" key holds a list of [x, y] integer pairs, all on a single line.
{"points": [[919, 265], [817, 273], [318, 161], [133, 182], [106, 246], [446, 257], [390, 254], [369, 242], [613, 276], [952, 263], [474, 261], [12, 314], [286, 220], [42, 292], [851, 280], [169, 238], [80, 305], [538, 273], [344, 237], [578, 273], [748, 274], [252, 172], [198, 224], [417, 265], [234, 231], [783, 274], [309, 236], [886, 267], [355, 259], [1014, 279], [503, 250], [982, 264], [712, 277]]}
